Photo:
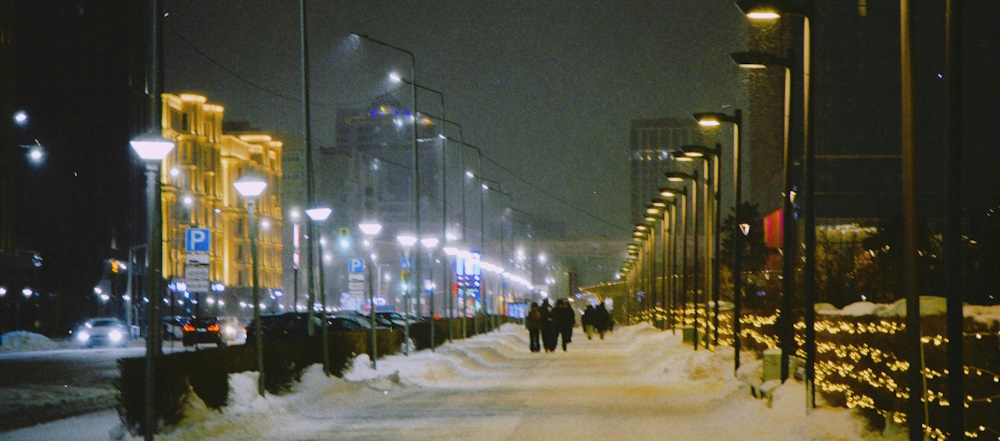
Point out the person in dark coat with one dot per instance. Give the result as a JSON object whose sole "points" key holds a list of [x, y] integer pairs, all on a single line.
{"points": [[549, 329], [565, 320], [587, 321], [533, 321], [602, 320]]}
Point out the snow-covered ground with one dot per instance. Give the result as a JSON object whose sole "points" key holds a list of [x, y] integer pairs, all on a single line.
{"points": [[637, 383]]}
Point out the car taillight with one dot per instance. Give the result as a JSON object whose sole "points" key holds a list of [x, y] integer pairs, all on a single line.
{"points": [[187, 328], [214, 327]]}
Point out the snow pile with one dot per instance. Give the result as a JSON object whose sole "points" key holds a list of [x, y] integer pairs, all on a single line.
{"points": [[929, 305], [637, 383], [27, 341]]}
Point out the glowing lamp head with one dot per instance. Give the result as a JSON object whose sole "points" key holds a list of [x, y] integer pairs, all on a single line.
{"points": [[429, 242], [152, 148], [318, 214], [370, 228], [250, 187], [406, 240]]}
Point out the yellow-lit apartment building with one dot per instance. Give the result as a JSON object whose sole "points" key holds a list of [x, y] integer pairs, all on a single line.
{"points": [[197, 179]]}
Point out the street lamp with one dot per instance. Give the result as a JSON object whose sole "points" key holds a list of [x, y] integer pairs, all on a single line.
{"points": [[676, 177], [715, 119], [250, 188], [319, 215], [370, 230], [670, 192], [429, 244], [407, 242], [714, 216]]}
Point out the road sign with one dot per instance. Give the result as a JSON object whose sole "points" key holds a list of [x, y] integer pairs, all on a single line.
{"points": [[196, 259], [197, 240], [353, 287], [406, 264], [355, 265], [356, 277]]}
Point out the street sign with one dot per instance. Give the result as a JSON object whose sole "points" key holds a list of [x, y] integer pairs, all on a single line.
{"points": [[196, 285], [358, 287], [197, 240], [356, 277], [355, 265], [196, 259], [196, 272], [406, 264]]}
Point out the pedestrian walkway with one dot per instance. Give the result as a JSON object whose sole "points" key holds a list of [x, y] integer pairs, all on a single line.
{"points": [[639, 383]]}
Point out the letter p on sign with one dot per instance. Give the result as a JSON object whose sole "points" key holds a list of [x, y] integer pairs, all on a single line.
{"points": [[197, 240]]}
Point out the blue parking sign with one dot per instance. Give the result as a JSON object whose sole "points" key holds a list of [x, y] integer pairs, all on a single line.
{"points": [[356, 266], [197, 240]]}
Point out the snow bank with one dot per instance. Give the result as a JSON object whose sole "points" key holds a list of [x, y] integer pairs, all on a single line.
{"points": [[27, 341]]}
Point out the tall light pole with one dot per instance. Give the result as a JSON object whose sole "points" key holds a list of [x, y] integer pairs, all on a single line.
{"points": [[429, 244], [757, 60], [307, 143], [714, 119], [669, 192], [250, 188], [711, 196], [370, 230], [153, 149], [319, 215], [693, 177], [407, 242], [503, 232], [415, 171], [715, 155]]}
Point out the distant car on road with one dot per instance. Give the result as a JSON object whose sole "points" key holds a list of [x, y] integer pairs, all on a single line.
{"points": [[106, 331], [173, 327]]}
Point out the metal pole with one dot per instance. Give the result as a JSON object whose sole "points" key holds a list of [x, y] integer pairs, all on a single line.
{"points": [[915, 409], [716, 251], [306, 139], [953, 229], [696, 266], [258, 337], [809, 218], [737, 239], [153, 292], [673, 268], [371, 301], [322, 314], [684, 260], [406, 302]]}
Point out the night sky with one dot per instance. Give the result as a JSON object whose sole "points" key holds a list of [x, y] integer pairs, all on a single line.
{"points": [[547, 89]]}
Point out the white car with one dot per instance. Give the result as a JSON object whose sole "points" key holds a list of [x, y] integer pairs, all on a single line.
{"points": [[102, 332]]}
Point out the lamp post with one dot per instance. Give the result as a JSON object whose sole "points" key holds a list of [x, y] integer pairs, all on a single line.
{"points": [[669, 192], [693, 177], [319, 215], [714, 119], [152, 149], [407, 242], [415, 174], [370, 230], [250, 188], [429, 244], [714, 214], [503, 232]]}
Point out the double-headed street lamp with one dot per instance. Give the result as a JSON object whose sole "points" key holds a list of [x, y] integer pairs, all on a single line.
{"points": [[250, 188], [715, 119], [319, 215]]}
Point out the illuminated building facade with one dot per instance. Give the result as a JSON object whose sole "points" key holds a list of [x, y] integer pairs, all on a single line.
{"points": [[198, 192]]}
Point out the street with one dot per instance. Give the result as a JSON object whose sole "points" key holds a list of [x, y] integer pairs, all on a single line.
{"points": [[48, 385]]}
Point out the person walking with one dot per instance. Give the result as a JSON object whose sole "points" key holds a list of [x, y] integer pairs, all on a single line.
{"points": [[549, 329], [565, 320], [587, 321], [533, 321], [602, 320]]}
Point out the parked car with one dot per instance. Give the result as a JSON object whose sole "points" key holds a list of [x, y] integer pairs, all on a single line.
{"points": [[345, 324], [102, 332], [203, 330], [380, 322], [173, 327], [398, 318], [282, 326]]}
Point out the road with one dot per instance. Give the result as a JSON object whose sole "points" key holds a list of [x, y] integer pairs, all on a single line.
{"points": [[42, 386]]}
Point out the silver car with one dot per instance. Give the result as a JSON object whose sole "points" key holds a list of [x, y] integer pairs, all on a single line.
{"points": [[102, 332]]}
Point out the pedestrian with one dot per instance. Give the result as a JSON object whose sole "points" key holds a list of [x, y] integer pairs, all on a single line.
{"points": [[533, 321], [549, 329], [587, 321], [602, 320], [565, 320]]}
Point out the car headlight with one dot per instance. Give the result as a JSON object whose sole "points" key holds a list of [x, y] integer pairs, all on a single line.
{"points": [[116, 336], [83, 336]]}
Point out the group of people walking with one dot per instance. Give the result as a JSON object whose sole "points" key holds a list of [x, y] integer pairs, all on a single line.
{"points": [[547, 324]]}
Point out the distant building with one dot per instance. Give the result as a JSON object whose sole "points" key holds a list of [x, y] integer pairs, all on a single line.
{"points": [[197, 179], [650, 144]]}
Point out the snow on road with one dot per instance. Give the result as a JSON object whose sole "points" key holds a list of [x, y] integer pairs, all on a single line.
{"points": [[638, 383]]}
